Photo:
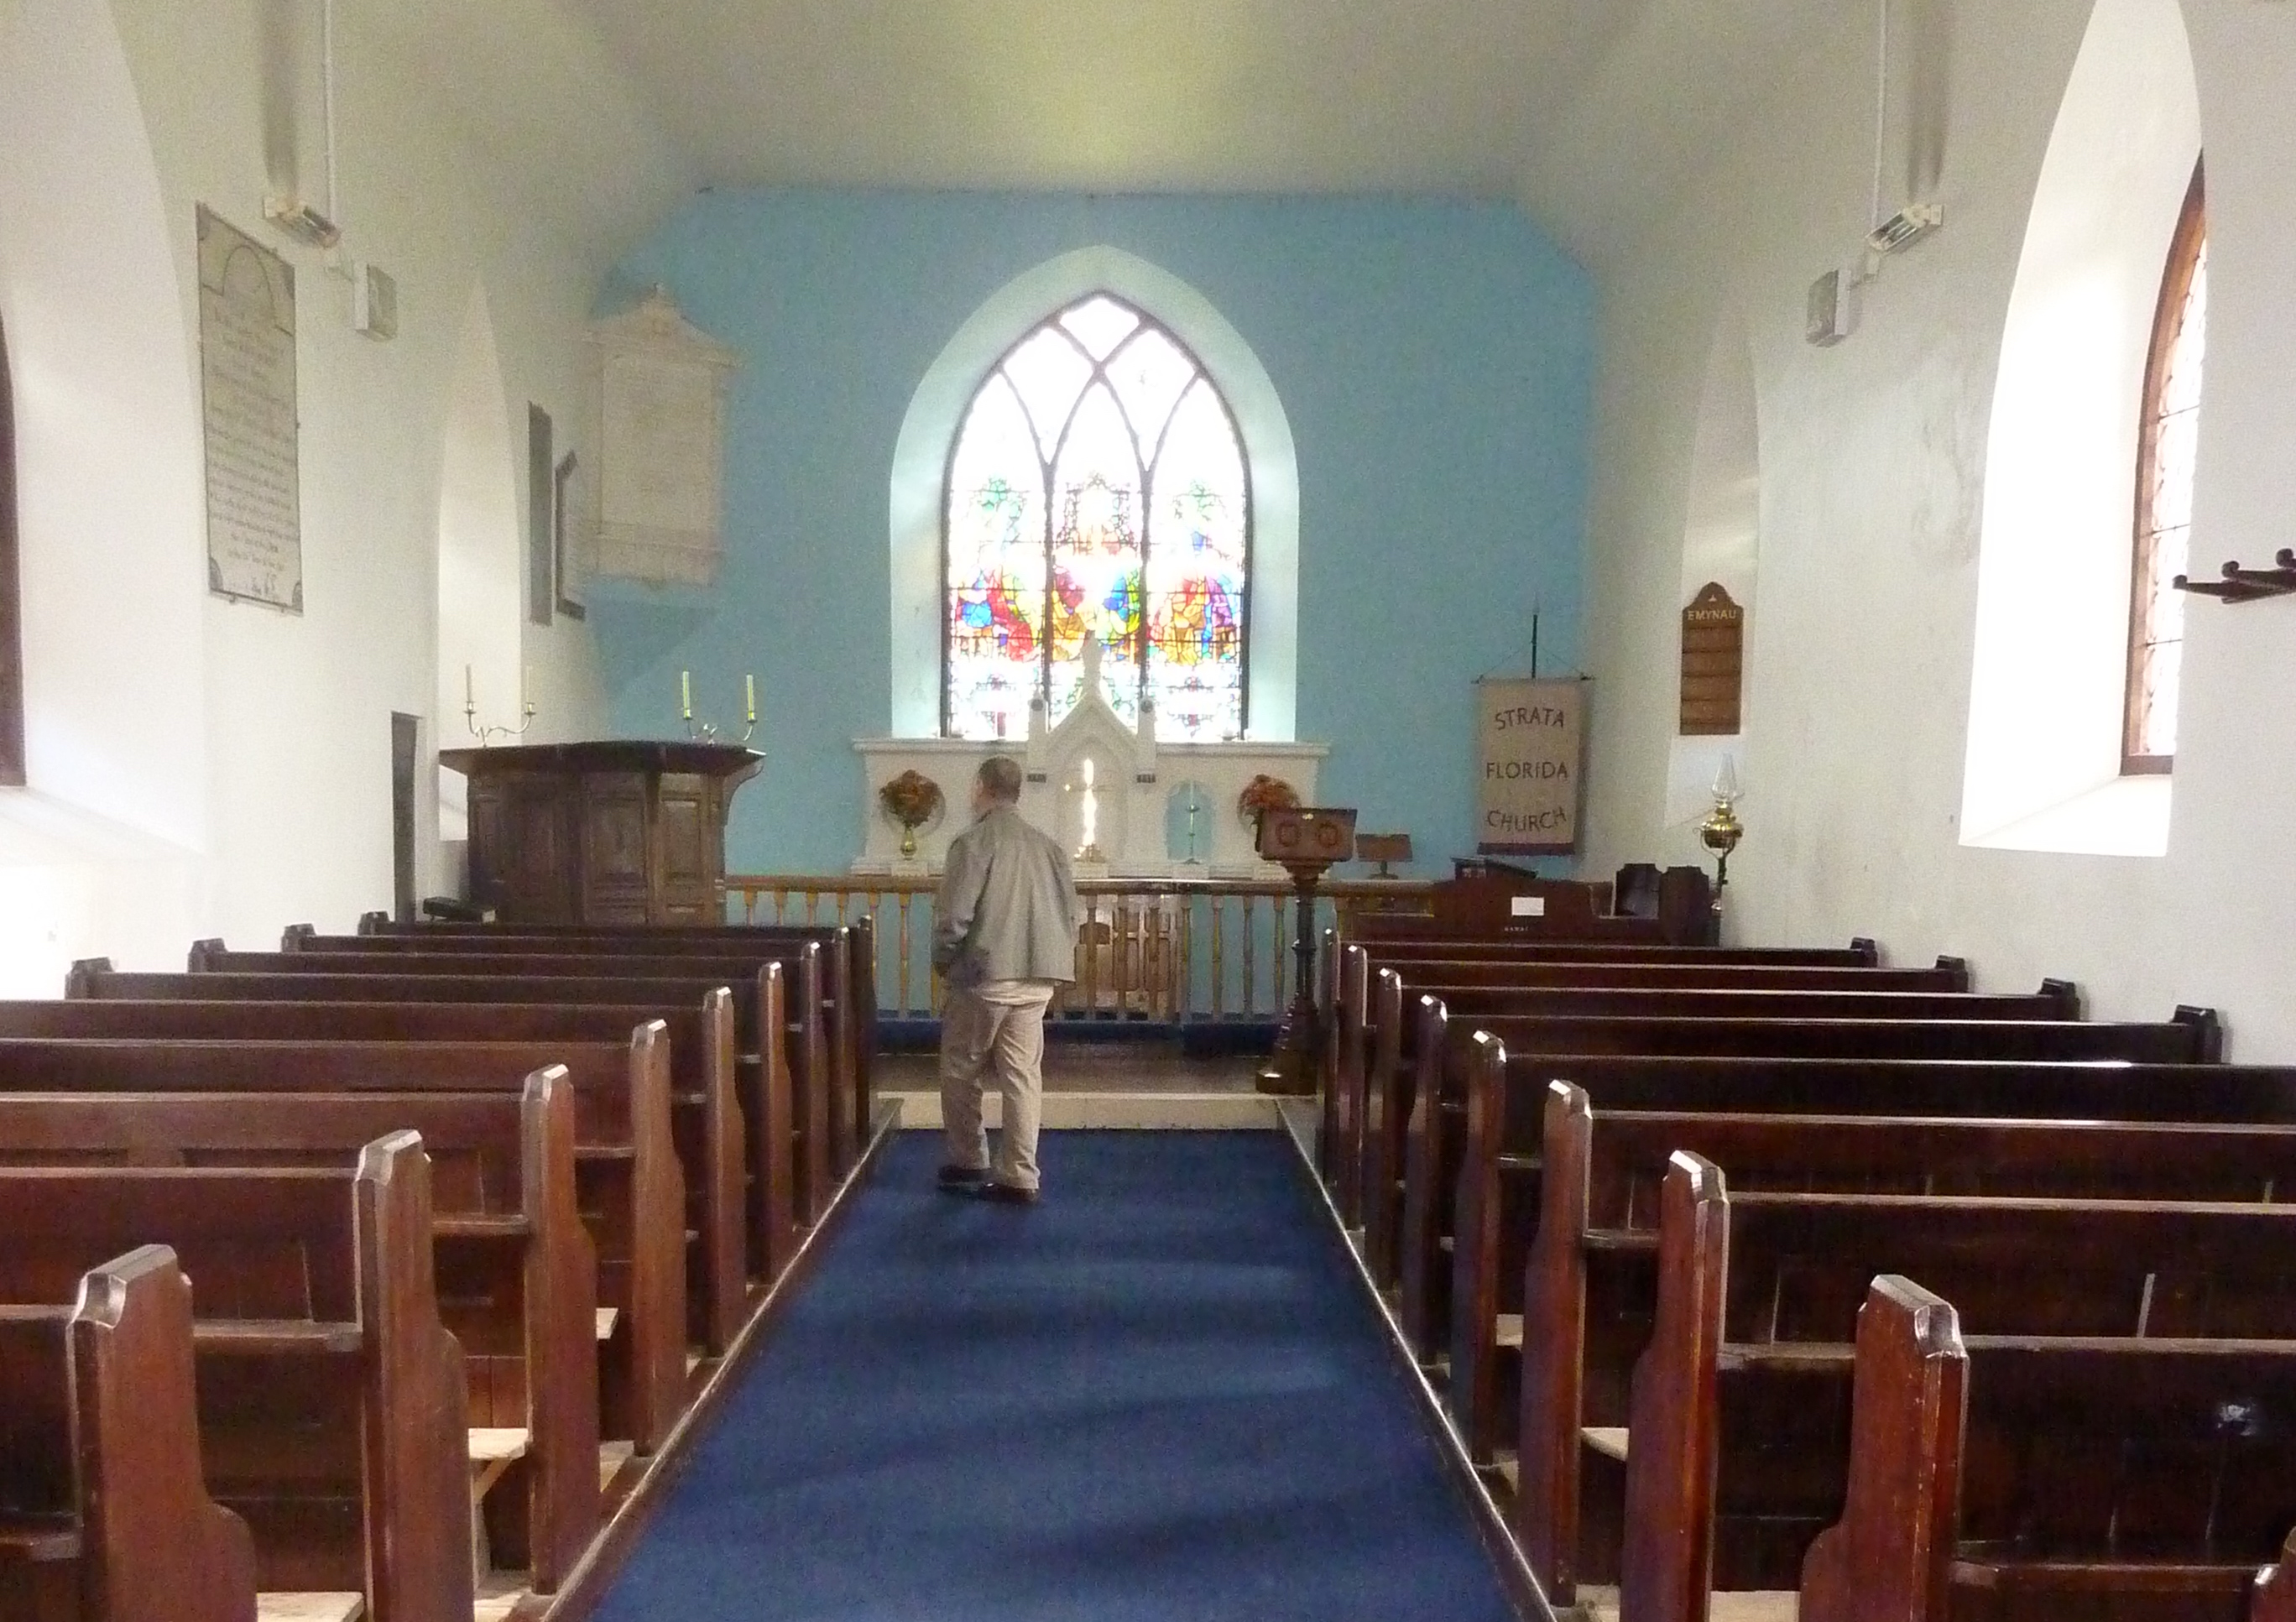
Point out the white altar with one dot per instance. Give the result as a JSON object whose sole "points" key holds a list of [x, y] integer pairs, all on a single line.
{"points": [[1125, 805]]}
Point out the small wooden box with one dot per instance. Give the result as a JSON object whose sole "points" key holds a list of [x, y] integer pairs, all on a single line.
{"points": [[1307, 833]]}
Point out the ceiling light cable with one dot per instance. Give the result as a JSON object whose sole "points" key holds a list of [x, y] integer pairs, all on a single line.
{"points": [[1880, 114]]}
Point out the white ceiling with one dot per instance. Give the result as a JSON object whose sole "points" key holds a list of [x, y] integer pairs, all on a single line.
{"points": [[1592, 113]]}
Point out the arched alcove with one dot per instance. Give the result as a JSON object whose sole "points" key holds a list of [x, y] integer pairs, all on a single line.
{"points": [[100, 851], [2046, 684], [1721, 540], [480, 563], [107, 433], [920, 466]]}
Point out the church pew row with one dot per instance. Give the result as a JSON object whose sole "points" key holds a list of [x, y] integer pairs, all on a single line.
{"points": [[1946, 1430], [736, 1174], [517, 1282], [1435, 1138], [851, 950], [630, 1186], [331, 1398], [1586, 1302], [108, 1517], [1737, 1452], [1352, 1032], [790, 1094], [1396, 1062], [1550, 1171], [1508, 1138], [1860, 953], [1596, 1221]]}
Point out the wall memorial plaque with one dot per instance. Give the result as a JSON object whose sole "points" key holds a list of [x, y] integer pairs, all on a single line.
{"points": [[1530, 738], [661, 388], [247, 396], [1713, 663]]}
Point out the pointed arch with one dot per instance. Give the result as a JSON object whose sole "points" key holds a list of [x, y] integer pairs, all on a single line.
{"points": [[936, 410], [2168, 432], [2043, 767], [1721, 540], [481, 565], [1096, 487]]}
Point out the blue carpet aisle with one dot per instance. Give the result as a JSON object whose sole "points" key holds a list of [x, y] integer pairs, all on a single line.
{"points": [[1157, 1396]]}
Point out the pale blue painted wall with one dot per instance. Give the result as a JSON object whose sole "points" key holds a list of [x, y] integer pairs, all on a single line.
{"points": [[1436, 360]]}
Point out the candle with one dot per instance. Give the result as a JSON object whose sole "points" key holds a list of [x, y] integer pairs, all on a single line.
{"points": [[750, 684], [470, 699], [686, 694]]}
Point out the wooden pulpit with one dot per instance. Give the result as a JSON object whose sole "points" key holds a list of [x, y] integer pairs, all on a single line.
{"points": [[614, 831]]}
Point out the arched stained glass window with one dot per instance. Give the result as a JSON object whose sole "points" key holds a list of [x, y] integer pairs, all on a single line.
{"points": [[2167, 435], [1097, 485]]}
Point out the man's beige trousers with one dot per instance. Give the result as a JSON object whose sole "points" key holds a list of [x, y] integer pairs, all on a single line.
{"points": [[994, 1033]]}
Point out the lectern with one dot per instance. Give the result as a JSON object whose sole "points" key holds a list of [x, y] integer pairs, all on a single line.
{"points": [[613, 831]]}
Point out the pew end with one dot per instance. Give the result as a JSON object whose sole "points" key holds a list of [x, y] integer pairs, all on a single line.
{"points": [[2208, 1032], [1889, 1553]]}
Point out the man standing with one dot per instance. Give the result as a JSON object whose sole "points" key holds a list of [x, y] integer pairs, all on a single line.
{"points": [[1005, 941]]}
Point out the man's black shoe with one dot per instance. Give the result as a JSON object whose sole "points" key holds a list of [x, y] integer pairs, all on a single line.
{"points": [[1005, 1194], [962, 1179]]}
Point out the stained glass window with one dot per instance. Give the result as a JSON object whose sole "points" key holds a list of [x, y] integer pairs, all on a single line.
{"points": [[2168, 435], [1097, 485]]}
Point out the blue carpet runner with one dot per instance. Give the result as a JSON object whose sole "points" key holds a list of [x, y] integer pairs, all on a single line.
{"points": [[1158, 1394]]}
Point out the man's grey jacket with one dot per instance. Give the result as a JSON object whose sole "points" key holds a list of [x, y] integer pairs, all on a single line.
{"points": [[1008, 904]]}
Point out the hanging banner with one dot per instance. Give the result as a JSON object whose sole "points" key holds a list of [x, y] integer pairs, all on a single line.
{"points": [[1530, 740]]}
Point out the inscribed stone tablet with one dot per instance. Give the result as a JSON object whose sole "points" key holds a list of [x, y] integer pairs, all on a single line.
{"points": [[247, 382]]}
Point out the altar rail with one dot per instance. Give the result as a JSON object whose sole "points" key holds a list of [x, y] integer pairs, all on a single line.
{"points": [[1167, 952]]}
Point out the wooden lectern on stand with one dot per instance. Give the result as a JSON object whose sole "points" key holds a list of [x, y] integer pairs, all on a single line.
{"points": [[615, 831], [1305, 840]]}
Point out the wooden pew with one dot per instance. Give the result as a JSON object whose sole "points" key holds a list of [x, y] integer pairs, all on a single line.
{"points": [[1586, 1295], [1353, 1031], [1536, 1182], [1599, 1200], [108, 1519], [331, 1400], [1392, 1064], [789, 1085], [727, 1151], [1507, 1131], [800, 1061], [1737, 1443], [1435, 1137], [519, 1278], [2161, 1476], [851, 957], [630, 1184]]}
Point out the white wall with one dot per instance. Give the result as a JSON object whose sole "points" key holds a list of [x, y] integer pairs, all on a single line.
{"points": [[1872, 466], [199, 766]]}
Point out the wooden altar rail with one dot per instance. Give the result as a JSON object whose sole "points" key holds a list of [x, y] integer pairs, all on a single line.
{"points": [[1167, 951]]}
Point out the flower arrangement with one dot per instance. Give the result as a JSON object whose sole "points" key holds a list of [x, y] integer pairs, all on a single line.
{"points": [[911, 800], [1265, 793]]}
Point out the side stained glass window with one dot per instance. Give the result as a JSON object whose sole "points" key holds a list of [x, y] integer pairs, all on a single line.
{"points": [[2167, 437], [1097, 486]]}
